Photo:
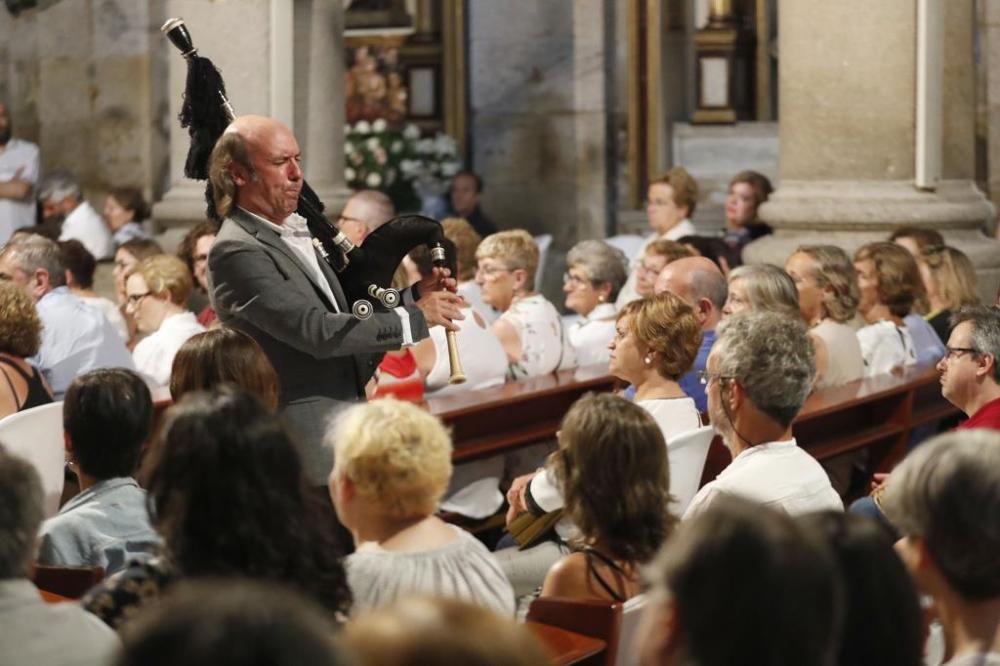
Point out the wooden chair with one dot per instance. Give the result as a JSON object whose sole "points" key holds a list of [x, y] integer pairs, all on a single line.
{"points": [[71, 582], [589, 617], [36, 434]]}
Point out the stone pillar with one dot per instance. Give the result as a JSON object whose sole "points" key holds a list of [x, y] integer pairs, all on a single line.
{"points": [[257, 81], [847, 148]]}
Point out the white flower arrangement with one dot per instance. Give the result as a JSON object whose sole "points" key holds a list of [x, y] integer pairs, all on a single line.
{"points": [[399, 161]]}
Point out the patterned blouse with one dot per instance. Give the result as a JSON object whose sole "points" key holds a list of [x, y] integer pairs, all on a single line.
{"points": [[124, 594]]}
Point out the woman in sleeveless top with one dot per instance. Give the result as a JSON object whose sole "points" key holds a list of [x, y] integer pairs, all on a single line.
{"points": [[530, 329], [21, 386], [612, 466], [828, 298]]}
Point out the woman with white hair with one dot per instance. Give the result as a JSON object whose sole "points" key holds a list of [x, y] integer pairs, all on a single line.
{"points": [[595, 272], [392, 465]]}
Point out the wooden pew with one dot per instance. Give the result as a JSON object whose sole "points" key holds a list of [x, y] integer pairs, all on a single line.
{"points": [[593, 618]]}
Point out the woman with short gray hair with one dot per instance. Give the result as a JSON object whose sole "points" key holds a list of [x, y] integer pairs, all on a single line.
{"points": [[595, 273]]}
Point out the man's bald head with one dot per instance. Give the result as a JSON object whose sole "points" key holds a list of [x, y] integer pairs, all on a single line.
{"points": [[698, 281]]}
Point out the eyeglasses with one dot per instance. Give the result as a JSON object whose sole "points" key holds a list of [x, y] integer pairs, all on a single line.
{"points": [[955, 352], [658, 203], [133, 300], [706, 377], [575, 280], [490, 271]]}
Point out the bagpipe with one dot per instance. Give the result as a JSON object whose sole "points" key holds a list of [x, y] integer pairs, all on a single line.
{"points": [[365, 273]]}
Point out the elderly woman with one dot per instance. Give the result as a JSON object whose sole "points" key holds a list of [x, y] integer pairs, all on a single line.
{"points": [[228, 495], [950, 281], [767, 288], [889, 282], [529, 327], [828, 299], [23, 386], [157, 290], [124, 211], [224, 356], [657, 254], [612, 468], [747, 191], [392, 465], [466, 240], [127, 256], [595, 272]]}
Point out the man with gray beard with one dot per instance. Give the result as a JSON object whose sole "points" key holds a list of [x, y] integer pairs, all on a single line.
{"points": [[18, 175]]}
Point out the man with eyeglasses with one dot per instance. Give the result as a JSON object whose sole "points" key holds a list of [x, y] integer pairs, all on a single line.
{"points": [[76, 336], [970, 379], [364, 212]]}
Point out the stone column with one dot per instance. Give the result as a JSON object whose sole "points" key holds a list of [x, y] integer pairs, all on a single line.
{"points": [[257, 81], [847, 147]]}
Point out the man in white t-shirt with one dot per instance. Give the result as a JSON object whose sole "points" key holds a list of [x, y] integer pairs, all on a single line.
{"points": [[758, 374], [18, 175], [60, 195]]}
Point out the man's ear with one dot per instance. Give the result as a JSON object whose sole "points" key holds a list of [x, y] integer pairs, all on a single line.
{"points": [[239, 174], [68, 445], [734, 395], [987, 365], [41, 282]]}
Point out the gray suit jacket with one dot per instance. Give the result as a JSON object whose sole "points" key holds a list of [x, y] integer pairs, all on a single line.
{"points": [[324, 358]]}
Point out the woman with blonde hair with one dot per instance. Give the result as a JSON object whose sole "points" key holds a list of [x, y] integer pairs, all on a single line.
{"points": [[827, 286], [156, 292], [950, 280], [23, 386], [888, 284], [392, 466], [466, 240], [529, 328]]}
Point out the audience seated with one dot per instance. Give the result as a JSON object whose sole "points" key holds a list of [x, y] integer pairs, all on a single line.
{"points": [[670, 202], [364, 212], [612, 467], [888, 281], [730, 585], [231, 624], [483, 358], [33, 632], [80, 267], [530, 328], [194, 251], [435, 630], [76, 337], [767, 288], [642, 282], [828, 299], [883, 623], [758, 375], [466, 241], [464, 195], [60, 194], [714, 248], [950, 281], [595, 272], [392, 461], [230, 500], [157, 290], [747, 191], [916, 239], [127, 256], [970, 378], [125, 210], [701, 284], [24, 386], [942, 498], [107, 416], [224, 356]]}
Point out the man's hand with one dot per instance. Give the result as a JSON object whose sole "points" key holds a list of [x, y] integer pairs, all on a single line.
{"points": [[439, 280], [441, 308]]}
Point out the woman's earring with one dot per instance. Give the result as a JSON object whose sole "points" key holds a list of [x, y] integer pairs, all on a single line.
{"points": [[648, 360]]}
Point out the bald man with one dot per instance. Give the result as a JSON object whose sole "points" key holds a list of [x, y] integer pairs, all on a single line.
{"points": [[364, 212], [700, 283], [268, 281]]}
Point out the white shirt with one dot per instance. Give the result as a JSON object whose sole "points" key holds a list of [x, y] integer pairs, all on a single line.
{"points": [[544, 348], [776, 474], [154, 355], [679, 230], [294, 232], [885, 346], [87, 226], [17, 156], [483, 358], [590, 335], [76, 338]]}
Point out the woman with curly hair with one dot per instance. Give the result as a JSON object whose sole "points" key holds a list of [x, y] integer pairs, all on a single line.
{"points": [[612, 468], [228, 496], [23, 386]]}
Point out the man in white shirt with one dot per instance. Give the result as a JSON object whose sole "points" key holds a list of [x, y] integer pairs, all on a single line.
{"points": [[670, 202], [76, 337], [758, 374], [60, 195], [33, 632], [18, 175]]}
